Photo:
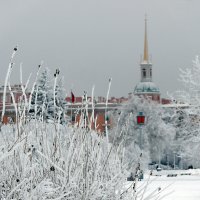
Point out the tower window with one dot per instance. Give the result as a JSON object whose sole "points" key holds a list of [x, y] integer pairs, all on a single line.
{"points": [[144, 72], [150, 72]]}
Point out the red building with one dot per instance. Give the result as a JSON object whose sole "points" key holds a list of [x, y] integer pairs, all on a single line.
{"points": [[10, 114], [95, 115]]}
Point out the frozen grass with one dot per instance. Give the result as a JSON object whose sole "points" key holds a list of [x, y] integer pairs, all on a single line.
{"points": [[52, 161]]}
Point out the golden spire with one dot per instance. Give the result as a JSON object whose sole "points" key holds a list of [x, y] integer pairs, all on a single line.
{"points": [[146, 55]]}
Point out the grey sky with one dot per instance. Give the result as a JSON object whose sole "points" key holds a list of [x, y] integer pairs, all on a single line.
{"points": [[92, 40]]}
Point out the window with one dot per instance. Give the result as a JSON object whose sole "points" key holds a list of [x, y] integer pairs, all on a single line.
{"points": [[73, 118], [144, 72], [107, 118], [150, 72]]}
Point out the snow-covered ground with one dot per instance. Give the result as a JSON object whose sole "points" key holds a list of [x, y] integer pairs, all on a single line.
{"points": [[181, 187]]}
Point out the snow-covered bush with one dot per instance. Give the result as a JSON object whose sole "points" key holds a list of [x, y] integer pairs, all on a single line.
{"points": [[40, 160], [57, 162]]}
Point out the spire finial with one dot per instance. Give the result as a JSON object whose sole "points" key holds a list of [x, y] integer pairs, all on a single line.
{"points": [[146, 55]]}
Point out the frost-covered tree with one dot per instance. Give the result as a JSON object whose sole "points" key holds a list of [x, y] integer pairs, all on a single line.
{"points": [[48, 98], [154, 137], [57, 104], [187, 118], [41, 96]]}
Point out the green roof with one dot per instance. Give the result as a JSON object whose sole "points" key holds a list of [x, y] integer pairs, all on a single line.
{"points": [[146, 87]]}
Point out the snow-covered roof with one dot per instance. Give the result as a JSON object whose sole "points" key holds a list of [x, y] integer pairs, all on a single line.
{"points": [[176, 105]]}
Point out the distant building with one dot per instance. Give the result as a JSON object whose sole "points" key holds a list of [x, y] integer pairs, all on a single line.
{"points": [[94, 115], [146, 87]]}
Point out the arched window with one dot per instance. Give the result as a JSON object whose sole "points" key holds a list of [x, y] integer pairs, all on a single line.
{"points": [[150, 72], [144, 73]]}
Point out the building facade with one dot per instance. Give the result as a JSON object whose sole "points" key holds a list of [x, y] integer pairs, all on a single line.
{"points": [[93, 115]]}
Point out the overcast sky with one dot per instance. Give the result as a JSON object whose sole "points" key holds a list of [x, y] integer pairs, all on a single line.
{"points": [[92, 40]]}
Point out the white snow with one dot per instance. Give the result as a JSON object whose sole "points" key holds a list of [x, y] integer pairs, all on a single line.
{"points": [[181, 187]]}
